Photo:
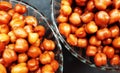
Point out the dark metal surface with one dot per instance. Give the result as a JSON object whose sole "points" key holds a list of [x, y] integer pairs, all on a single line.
{"points": [[71, 64]]}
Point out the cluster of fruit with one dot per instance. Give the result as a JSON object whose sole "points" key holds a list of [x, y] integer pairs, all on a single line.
{"points": [[23, 48], [94, 26]]}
